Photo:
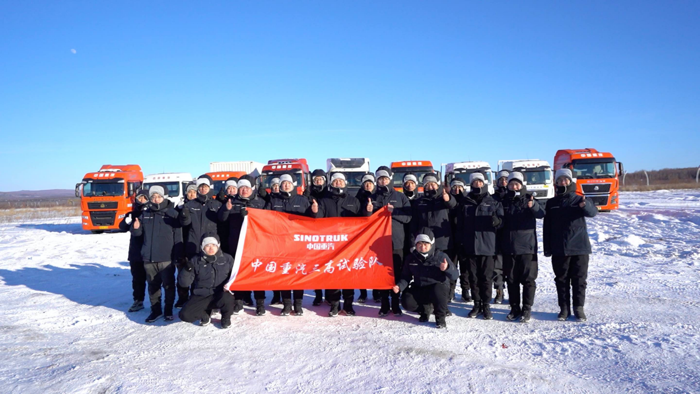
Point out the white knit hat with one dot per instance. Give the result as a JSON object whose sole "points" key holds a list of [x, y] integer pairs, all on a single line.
{"points": [[156, 190]]}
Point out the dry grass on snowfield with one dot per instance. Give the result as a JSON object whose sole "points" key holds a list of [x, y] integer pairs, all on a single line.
{"points": [[23, 214], [662, 186]]}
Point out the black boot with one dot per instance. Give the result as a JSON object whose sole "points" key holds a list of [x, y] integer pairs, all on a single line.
{"points": [[376, 296], [275, 297], [515, 313], [286, 308], [318, 300], [237, 306], [475, 310], [440, 322], [499, 297], [564, 313], [423, 318], [363, 296], [348, 310], [136, 306], [225, 321], [384, 310], [248, 299], [486, 308], [335, 307], [453, 286], [168, 314], [298, 310], [579, 314], [526, 314], [465, 296], [396, 304], [156, 313], [260, 307]]}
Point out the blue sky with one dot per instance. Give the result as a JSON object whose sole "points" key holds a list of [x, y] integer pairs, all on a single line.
{"points": [[173, 86]]}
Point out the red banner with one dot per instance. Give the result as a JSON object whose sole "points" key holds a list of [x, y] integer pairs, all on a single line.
{"points": [[280, 251]]}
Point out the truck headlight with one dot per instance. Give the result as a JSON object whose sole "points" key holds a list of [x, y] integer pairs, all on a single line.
{"points": [[121, 216], [86, 218]]}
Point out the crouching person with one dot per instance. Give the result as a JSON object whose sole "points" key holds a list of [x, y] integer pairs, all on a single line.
{"points": [[207, 273], [431, 271]]}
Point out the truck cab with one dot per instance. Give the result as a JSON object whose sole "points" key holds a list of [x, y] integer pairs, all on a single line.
{"points": [[353, 169], [107, 195], [537, 173], [219, 178], [597, 175], [464, 169], [174, 184], [419, 168], [297, 168]]}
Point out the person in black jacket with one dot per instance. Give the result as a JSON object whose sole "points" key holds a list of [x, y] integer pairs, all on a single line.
{"points": [[367, 188], [161, 249], [198, 216], [232, 213], [400, 210], [274, 193], [318, 191], [429, 272], [519, 245], [478, 217], [432, 210], [288, 201], [566, 241], [457, 189], [207, 273], [498, 275], [410, 190], [229, 191], [138, 272], [338, 203]]}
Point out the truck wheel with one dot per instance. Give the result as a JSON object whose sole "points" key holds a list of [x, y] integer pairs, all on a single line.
{"points": [[97, 231]]}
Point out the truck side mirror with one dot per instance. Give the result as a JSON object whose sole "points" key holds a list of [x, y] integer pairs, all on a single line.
{"points": [[77, 189], [620, 168]]}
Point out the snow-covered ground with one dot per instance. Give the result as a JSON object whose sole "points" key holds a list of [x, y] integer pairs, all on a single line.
{"points": [[64, 327]]}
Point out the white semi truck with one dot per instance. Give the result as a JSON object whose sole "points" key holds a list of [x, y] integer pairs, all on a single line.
{"points": [[537, 173], [353, 169], [174, 184], [464, 169]]}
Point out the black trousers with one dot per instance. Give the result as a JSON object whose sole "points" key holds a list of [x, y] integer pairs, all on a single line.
{"points": [[161, 274], [570, 274], [398, 267], [138, 280], [287, 295], [198, 307], [424, 298], [459, 259], [480, 270], [498, 272], [183, 292], [519, 270]]}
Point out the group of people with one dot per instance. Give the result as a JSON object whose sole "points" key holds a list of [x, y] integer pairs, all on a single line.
{"points": [[441, 235]]}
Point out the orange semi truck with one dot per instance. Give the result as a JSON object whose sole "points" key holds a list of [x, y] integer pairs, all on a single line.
{"points": [[107, 195], [419, 168], [597, 175], [297, 168]]}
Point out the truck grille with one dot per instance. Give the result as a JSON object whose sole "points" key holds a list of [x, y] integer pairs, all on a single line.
{"points": [[103, 205], [599, 201], [103, 218], [591, 188]]}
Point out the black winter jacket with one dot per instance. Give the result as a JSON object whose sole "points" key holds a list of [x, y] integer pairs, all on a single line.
{"points": [[162, 235], [434, 213], [476, 232], [425, 271], [209, 274], [564, 230], [199, 217], [234, 219], [294, 203], [399, 217], [519, 234], [135, 242], [333, 206]]}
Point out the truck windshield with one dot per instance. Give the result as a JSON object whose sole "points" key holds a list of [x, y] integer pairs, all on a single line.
{"points": [[464, 176], [588, 169], [419, 172], [218, 185], [96, 189], [172, 189], [269, 176], [537, 177], [354, 179]]}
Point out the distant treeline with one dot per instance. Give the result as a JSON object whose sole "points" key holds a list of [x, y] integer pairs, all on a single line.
{"points": [[661, 177], [40, 203]]}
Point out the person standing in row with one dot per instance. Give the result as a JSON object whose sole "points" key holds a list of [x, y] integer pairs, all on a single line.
{"points": [[457, 189], [566, 240], [498, 273], [478, 217], [138, 272], [161, 249], [318, 191], [288, 201], [519, 246]]}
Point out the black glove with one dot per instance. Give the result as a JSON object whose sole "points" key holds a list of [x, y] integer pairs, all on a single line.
{"points": [[244, 212], [495, 220], [188, 265], [185, 212]]}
